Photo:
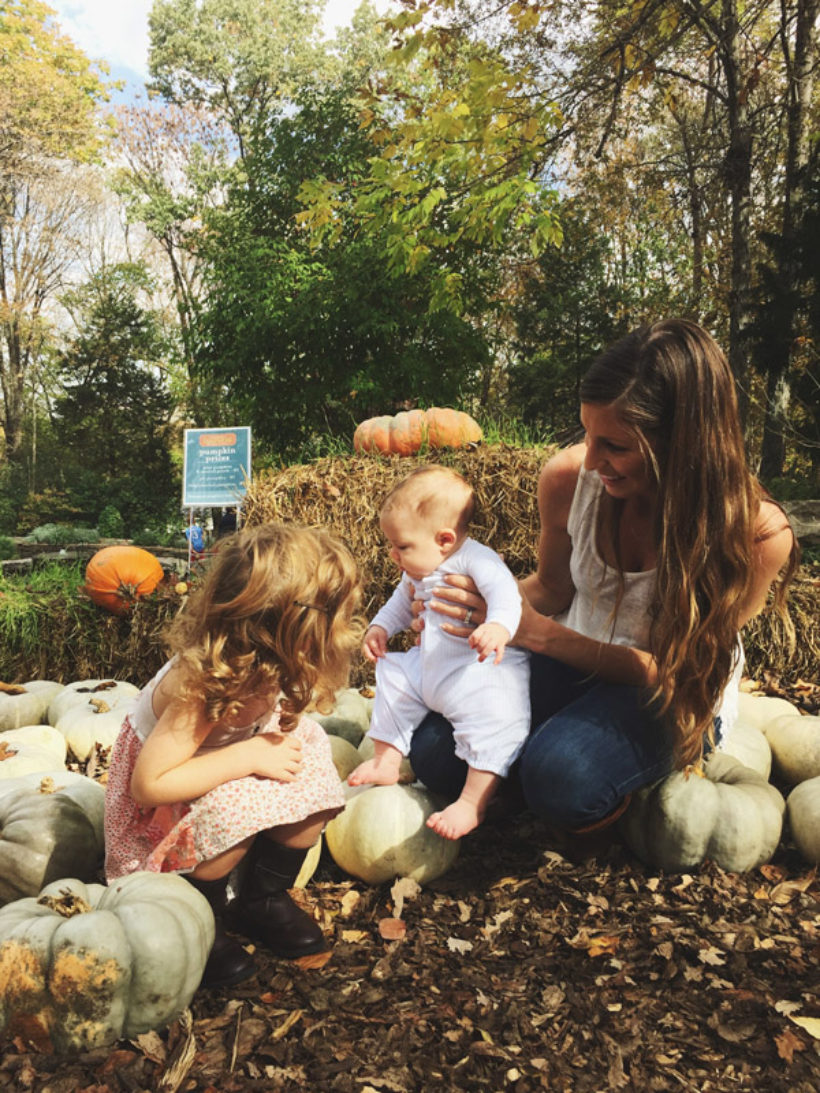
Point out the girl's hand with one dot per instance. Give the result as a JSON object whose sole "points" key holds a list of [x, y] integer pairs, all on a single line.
{"points": [[274, 755], [460, 601]]}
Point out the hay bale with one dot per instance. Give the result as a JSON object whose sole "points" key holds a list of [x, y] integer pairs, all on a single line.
{"points": [[344, 495]]}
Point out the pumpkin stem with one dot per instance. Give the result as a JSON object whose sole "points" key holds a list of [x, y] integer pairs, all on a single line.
{"points": [[66, 904], [100, 706]]}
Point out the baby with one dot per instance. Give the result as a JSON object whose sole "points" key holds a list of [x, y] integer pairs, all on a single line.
{"points": [[479, 685]]}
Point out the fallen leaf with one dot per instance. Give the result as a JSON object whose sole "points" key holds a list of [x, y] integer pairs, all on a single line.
{"points": [[810, 1024], [354, 935], [787, 1043], [403, 888], [392, 929], [287, 1025], [151, 1045], [314, 960], [459, 945]]}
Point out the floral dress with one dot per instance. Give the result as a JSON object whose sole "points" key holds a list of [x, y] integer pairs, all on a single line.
{"points": [[176, 838]]}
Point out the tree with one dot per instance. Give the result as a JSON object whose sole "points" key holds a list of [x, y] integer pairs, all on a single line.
{"points": [[175, 168], [242, 60], [305, 343], [49, 97], [49, 91], [113, 419], [458, 140]]}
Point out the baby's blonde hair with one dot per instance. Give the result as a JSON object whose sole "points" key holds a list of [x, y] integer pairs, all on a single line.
{"points": [[434, 494], [275, 616]]}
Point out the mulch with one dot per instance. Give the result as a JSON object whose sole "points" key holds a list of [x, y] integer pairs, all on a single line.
{"points": [[529, 966]]}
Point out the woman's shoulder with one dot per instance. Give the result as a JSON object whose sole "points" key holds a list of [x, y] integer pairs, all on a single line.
{"points": [[559, 477], [773, 532]]}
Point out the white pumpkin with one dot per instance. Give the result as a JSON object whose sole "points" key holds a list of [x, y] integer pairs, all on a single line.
{"points": [[345, 757], [803, 805], [758, 711], [733, 817], [383, 834], [87, 724], [350, 717], [29, 706], [110, 691], [31, 748], [86, 965], [795, 744], [750, 746]]}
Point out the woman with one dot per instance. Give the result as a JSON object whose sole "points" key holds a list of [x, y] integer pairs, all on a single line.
{"points": [[656, 546]]}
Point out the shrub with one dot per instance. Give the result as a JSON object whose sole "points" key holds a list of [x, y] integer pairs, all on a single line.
{"points": [[8, 548], [111, 524], [62, 535]]}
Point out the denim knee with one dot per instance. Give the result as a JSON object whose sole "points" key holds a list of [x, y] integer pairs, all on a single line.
{"points": [[564, 785], [434, 760]]}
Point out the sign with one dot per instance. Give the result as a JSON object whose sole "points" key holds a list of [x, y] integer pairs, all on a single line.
{"points": [[216, 466]]}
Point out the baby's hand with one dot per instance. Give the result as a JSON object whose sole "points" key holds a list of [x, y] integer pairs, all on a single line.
{"points": [[375, 643], [275, 755], [490, 637]]}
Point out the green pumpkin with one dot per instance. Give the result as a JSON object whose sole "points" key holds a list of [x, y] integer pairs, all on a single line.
{"points": [[82, 966], [732, 816], [51, 826]]}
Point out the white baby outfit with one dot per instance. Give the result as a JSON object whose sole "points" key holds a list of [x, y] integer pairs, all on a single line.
{"points": [[487, 704], [596, 593]]}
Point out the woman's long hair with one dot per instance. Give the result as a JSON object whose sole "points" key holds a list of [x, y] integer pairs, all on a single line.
{"points": [[274, 619], [671, 384]]}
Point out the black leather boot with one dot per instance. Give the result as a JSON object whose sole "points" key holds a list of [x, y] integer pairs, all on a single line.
{"points": [[228, 963], [265, 912]]}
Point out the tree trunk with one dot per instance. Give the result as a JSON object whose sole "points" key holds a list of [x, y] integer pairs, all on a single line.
{"points": [[800, 75]]}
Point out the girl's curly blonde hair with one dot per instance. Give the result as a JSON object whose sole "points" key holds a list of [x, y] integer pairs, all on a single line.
{"points": [[276, 619]]}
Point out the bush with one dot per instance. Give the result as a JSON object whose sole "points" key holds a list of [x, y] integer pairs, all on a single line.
{"points": [[111, 524], [60, 535], [154, 536], [8, 548]]}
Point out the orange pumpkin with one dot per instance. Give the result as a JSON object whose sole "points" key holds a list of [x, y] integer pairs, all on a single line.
{"points": [[409, 430], [117, 576]]}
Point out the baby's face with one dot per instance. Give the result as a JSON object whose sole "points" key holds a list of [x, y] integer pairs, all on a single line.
{"points": [[414, 546]]}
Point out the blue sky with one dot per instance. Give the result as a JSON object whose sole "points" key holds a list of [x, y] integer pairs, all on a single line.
{"points": [[116, 31]]}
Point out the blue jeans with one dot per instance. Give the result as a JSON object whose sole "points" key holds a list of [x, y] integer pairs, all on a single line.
{"points": [[591, 743]]}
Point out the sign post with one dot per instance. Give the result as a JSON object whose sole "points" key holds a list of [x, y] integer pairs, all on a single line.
{"points": [[216, 469]]}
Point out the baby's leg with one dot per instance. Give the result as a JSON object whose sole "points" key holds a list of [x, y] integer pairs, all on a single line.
{"points": [[465, 814], [381, 770]]}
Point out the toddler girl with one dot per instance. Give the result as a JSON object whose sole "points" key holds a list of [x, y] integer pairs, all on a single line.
{"points": [[216, 762]]}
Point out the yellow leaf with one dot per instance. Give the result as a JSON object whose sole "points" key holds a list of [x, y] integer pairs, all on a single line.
{"points": [[810, 1024]]}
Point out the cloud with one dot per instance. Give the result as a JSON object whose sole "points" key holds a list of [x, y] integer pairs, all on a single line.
{"points": [[115, 31]]}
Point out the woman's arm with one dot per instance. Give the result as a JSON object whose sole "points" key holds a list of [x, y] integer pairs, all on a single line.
{"points": [[774, 540]]}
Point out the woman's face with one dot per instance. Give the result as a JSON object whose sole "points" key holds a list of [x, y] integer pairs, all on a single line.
{"points": [[614, 454]]}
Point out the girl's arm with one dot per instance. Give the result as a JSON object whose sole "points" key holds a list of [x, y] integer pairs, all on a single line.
{"points": [[168, 770]]}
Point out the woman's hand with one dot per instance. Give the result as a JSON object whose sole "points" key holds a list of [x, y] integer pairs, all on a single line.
{"points": [[273, 755], [458, 599]]}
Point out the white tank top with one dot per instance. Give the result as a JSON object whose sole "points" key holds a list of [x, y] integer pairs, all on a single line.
{"points": [[596, 593]]}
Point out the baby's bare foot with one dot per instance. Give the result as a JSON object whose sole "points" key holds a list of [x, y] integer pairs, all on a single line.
{"points": [[456, 820], [374, 772]]}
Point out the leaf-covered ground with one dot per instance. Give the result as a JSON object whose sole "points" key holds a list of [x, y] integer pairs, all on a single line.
{"points": [[529, 966], [521, 970]]}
